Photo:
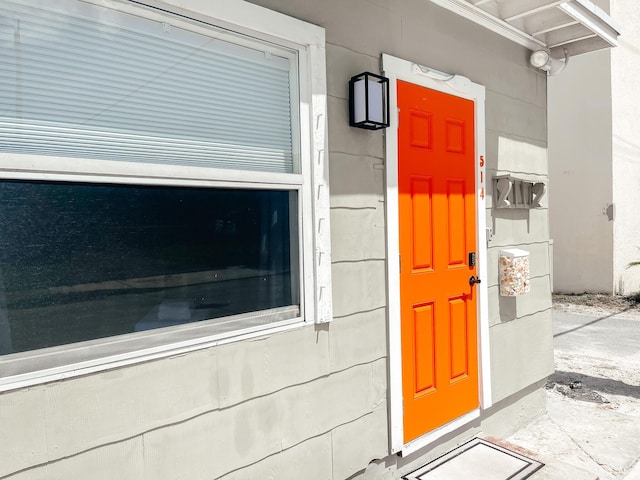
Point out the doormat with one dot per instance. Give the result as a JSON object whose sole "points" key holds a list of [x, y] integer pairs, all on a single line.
{"points": [[480, 460]]}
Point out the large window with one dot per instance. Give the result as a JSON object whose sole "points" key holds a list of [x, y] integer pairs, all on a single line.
{"points": [[156, 171], [83, 261]]}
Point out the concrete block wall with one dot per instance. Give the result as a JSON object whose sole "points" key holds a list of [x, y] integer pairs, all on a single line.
{"points": [[315, 399]]}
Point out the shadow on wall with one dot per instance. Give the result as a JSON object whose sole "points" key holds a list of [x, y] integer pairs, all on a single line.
{"points": [[508, 308], [499, 215]]}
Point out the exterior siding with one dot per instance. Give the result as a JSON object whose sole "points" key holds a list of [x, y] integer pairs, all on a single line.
{"points": [[315, 399], [516, 143]]}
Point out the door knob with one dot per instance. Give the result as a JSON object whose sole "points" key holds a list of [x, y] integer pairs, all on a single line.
{"points": [[473, 280]]}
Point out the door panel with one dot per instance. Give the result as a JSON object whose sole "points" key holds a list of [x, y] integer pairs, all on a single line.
{"points": [[425, 340], [457, 222], [437, 228], [422, 225], [459, 338]]}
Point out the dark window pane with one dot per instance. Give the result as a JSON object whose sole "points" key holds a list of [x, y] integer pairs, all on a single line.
{"points": [[85, 261]]}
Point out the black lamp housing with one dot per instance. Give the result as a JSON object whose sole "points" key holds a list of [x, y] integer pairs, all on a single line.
{"points": [[369, 101]]}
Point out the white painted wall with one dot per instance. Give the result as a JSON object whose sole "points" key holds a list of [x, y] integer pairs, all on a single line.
{"points": [[594, 120], [625, 65], [580, 154]]}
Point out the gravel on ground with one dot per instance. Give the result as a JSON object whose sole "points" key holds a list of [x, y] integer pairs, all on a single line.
{"points": [[597, 304]]}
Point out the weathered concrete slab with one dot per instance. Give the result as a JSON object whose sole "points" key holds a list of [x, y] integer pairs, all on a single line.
{"points": [[593, 415]]}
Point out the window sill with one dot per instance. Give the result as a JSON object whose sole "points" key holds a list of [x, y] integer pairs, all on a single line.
{"points": [[26, 369]]}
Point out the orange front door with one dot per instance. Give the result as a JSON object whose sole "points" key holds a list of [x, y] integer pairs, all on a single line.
{"points": [[437, 216]]}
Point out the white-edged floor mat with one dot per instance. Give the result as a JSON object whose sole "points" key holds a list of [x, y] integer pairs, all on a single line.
{"points": [[478, 459]]}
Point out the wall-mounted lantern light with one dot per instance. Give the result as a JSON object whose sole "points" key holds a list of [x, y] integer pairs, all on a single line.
{"points": [[369, 101]]}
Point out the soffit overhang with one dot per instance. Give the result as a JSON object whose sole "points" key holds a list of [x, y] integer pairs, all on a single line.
{"points": [[578, 26]]}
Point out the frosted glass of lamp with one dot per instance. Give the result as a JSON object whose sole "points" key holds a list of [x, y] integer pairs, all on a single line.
{"points": [[375, 101], [539, 58], [369, 101]]}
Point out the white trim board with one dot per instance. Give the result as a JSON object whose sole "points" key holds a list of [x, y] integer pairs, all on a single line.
{"points": [[397, 69]]}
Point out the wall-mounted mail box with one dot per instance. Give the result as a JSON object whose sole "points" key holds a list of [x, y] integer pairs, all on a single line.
{"points": [[514, 272]]}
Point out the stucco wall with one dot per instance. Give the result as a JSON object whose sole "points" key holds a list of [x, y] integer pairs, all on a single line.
{"points": [[315, 399], [580, 167], [625, 67], [594, 117]]}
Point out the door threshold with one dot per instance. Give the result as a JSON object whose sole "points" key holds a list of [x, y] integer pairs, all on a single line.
{"points": [[438, 433]]}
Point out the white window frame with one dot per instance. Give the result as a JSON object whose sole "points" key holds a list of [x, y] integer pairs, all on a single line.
{"points": [[311, 180]]}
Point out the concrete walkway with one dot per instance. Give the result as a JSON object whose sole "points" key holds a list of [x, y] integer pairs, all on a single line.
{"points": [[592, 427], [634, 474]]}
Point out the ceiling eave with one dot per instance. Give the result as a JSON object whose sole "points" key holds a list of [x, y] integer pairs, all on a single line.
{"points": [[578, 26]]}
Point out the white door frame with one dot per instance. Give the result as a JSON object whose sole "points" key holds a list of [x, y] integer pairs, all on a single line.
{"points": [[398, 69]]}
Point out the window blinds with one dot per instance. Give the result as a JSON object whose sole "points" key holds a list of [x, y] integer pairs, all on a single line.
{"points": [[79, 80]]}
